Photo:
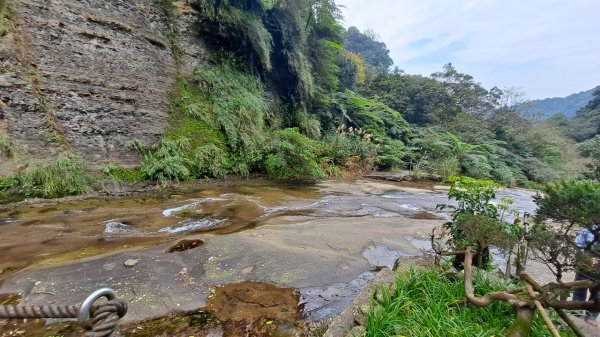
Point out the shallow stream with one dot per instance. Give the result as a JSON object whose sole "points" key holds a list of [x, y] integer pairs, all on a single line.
{"points": [[323, 242]]}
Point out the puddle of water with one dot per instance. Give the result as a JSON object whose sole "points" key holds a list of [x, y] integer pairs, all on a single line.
{"points": [[410, 207], [381, 256], [7, 299], [424, 215], [419, 243], [324, 302], [38, 328]]}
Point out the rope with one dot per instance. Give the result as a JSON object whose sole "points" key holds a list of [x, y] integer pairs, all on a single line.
{"points": [[35, 311], [103, 318]]}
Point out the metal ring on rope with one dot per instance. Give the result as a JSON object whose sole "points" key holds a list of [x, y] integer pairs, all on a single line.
{"points": [[99, 319], [85, 311]]}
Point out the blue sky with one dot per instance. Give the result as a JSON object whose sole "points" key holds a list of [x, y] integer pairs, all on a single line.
{"points": [[548, 48]]}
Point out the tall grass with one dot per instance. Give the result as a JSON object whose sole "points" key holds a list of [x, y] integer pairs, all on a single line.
{"points": [[235, 105], [420, 306], [223, 107], [61, 177], [7, 145]]}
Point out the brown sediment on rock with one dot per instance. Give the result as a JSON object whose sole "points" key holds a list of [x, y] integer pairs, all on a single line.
{"points": [[184, 245], [250, 301], [234, 310], [10, 299]]}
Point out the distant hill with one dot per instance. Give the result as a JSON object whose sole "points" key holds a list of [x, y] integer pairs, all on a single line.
{"points": [[549, 107]]}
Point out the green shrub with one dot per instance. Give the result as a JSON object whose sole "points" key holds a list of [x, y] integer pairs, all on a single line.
{"points": [[61, 177], [292, 156], [504, 175], [391, 155], [225, 108], [347, 149], [167, 161], [309, 126], [446, 167], [210, 161]]}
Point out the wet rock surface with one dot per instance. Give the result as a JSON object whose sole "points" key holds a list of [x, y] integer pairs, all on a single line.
{"points": [[325, 241]]}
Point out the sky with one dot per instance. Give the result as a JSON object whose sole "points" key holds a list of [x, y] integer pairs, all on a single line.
{"points": [[547, 48]]}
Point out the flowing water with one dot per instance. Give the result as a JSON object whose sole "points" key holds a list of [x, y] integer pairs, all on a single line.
{"points": [[322, 240]]}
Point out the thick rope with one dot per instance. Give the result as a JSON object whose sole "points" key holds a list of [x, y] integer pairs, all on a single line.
{"points": [[38, 311], [104, 317]]}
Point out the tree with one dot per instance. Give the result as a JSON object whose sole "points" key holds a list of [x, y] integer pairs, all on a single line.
{"points": [[571, 206], [372, 51], [421, 101], [468, 94], [591, 149], [476, 221]]}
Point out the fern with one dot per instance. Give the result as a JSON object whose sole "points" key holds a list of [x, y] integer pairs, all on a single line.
{"points": [[292, 156]]}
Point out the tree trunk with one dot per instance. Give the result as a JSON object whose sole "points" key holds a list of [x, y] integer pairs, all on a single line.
{"points": [[508, 271]]}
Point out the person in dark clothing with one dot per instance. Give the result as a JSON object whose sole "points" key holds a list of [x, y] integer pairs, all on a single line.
{"points": [[582, 240]]}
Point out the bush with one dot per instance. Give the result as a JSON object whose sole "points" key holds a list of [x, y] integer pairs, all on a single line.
{"points": [[391, 155], [292, 156], [61, 177], [445, 167], [210, 161], [350, 150], [166, 161], [225, 108]]}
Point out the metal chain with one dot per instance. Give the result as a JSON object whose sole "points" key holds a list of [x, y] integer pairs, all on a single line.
{"points": [[99, 319]]}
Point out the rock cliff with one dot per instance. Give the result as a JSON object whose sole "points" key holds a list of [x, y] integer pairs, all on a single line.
{"points": [[91, 75]]}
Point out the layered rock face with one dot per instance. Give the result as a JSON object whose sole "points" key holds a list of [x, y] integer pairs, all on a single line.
{"points": [[91, 75]]}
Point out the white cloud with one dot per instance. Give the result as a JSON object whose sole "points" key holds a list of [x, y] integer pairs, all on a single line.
{"points": [[548, 47]]}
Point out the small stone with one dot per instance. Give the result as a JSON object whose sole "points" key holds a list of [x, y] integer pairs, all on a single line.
{"points": [[379, 296], [364, 308], [131, 262], [357, 331], [111, 266], [360, 318]]}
